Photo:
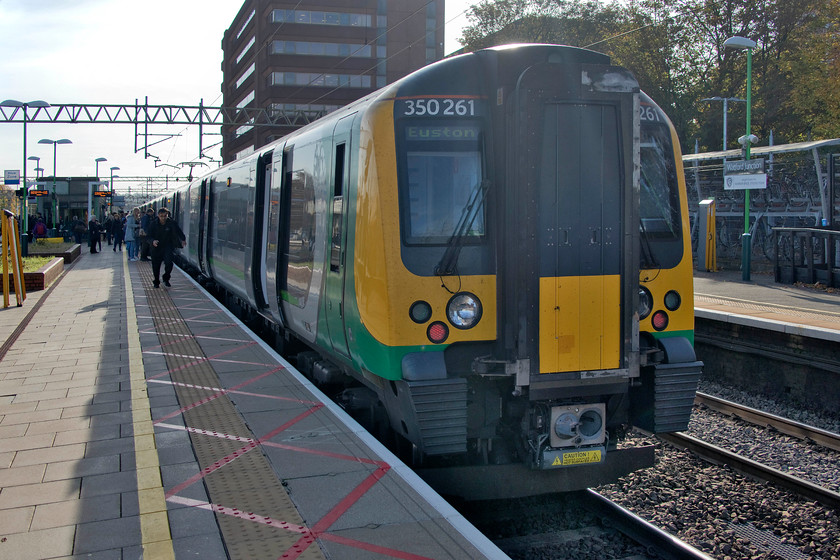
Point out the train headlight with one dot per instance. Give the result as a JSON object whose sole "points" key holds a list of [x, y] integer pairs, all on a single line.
{"points": [[463, 310], [645, 302], [672, 300]]}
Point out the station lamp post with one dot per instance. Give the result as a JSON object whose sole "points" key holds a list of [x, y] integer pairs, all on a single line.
{"points": [[726, 101], [111, 204], [37, 161], [745, 44], [54, 143], [90, 194], [24, 105]]}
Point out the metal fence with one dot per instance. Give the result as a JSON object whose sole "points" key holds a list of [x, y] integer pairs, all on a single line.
{"points": [[808, 255]]}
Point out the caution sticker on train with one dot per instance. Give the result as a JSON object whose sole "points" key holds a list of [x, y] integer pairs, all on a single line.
{"points": [[556, 458]]}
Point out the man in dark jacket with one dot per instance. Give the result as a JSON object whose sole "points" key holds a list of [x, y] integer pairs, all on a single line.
{"points": [[166, 236], [94, 229], [145, 241]]}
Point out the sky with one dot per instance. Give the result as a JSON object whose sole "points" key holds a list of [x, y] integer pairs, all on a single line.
{"points": [[111, 52]]}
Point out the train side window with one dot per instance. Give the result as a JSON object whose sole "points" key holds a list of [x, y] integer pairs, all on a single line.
{"points": [[337, 208], [301, 226]]}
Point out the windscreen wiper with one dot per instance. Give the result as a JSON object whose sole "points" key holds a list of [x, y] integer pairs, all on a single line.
{"points": [[648, 259], [448, 264]]}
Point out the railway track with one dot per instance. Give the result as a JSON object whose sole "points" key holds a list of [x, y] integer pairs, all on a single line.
{"points": [[579, 525], [756, 469], [761, 418]]}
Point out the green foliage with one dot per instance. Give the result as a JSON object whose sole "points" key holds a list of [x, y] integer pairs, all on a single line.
{"points": [[675, 49]]}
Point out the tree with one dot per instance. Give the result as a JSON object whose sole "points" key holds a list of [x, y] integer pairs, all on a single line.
{"points": [[675, 49]]}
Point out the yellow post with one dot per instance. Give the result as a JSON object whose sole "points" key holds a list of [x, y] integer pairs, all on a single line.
{"points": [[711, 236], [11, 249], [20, 284], [5, 250]]}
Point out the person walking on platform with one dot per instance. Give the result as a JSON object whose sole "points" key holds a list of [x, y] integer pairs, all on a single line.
{"points": [[132, 225], [107, 227], [77, 226], [166, 236], [117, 225], [146, 241], [95, 236]]}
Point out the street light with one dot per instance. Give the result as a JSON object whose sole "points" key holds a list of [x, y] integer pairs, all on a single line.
{"points": [[37, 161], [55, 143], [743, 43], [111, 204], [726, 101], [38, 105], [90, 194]]}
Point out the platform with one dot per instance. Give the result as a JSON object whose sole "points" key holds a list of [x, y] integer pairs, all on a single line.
{"points": [[761, 302], [141, 422]]}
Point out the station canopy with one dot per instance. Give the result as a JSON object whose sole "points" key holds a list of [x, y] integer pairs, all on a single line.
{"points": [[756, 151]]}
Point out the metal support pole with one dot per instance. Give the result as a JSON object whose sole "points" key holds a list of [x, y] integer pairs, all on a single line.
{"points": [[746, 246]]}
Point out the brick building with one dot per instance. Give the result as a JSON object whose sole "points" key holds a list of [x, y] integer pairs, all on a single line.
{"points": [[302, 60]]}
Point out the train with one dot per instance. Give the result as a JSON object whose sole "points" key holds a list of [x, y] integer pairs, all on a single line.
{"points": [[489, 260]]}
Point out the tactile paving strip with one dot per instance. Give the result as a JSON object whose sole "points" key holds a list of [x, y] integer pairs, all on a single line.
{"points": [[246, 483], [756, 306]]}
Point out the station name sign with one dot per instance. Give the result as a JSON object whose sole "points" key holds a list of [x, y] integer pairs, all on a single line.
{"points": [[744, 174]]}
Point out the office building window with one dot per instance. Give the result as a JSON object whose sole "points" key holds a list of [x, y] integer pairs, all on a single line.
{"points": [[245, 100], [318, 80], [309, 110], [353, 50], [245, 50], [321, 18], [247, 21], [245, 74]]}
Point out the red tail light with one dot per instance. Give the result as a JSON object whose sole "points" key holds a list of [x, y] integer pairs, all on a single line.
{"points": [[659, 320], [437, 332]]}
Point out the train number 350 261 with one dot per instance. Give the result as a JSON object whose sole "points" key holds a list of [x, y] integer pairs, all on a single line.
{"points": [[434, 107]]}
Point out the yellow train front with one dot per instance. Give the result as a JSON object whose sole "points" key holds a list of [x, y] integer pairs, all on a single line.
{"points": [[495, 248], [521, 283]]}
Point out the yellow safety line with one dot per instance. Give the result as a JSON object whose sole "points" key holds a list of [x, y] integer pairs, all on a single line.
{"points": [[154, 520]]}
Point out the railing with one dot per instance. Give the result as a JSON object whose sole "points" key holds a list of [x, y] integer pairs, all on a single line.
{"points": [[808, 255]]}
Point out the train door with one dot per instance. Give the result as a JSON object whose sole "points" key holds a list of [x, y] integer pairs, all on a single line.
{"points": [[335, 276], [258, 254], [203, 225], [274, 246], [575, 148]]}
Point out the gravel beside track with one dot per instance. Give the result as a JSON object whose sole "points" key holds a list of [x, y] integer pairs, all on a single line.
{"points": [[727, 515]]}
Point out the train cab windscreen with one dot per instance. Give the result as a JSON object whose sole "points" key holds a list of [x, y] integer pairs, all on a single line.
{"points": [[659, 206], [443, 183]]}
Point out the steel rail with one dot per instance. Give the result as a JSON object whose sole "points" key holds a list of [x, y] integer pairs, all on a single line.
{"points": [[665, 544], [752, 468], [786, 426]]}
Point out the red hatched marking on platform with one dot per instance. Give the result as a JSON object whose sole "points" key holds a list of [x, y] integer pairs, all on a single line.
{"points": [[181, 337], [241, 451], [216, 395], [319, 530], [232, 391], [202, 360], [287, 447], [246, 515], [308, 535]]}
